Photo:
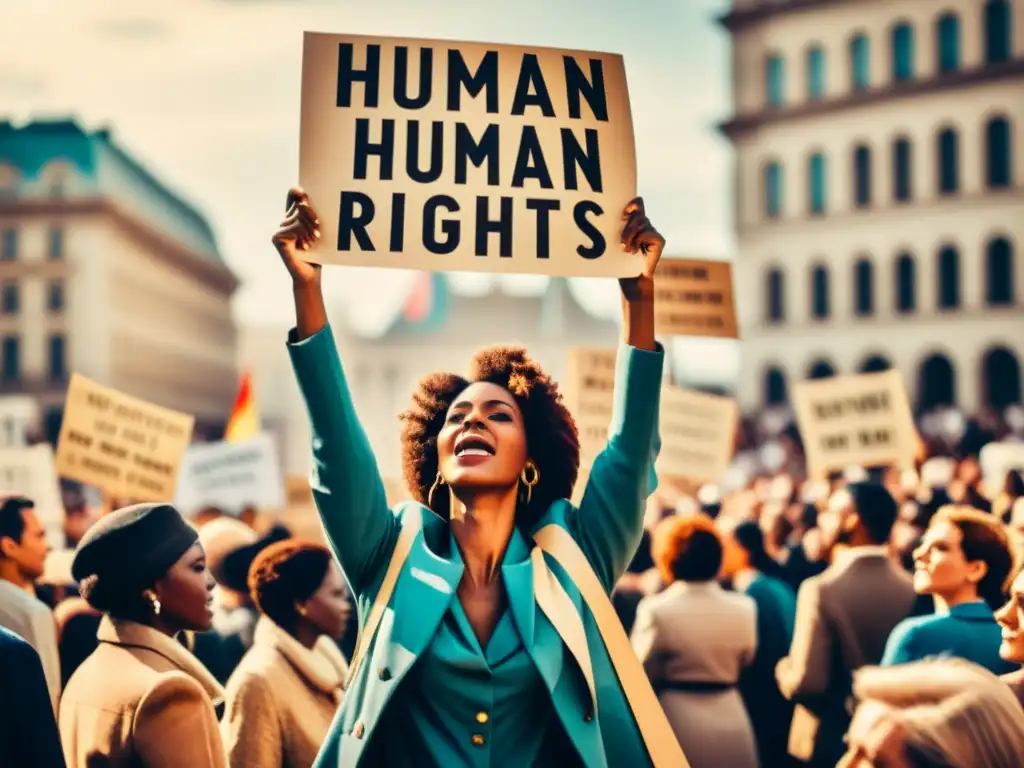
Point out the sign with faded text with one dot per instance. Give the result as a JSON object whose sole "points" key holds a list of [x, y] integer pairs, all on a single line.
{"points": [[231, 476], [698, 434], [694, 298], [590, 383], [439, 155], [30, 472], [19, 416], [125, 446], [863, 420]]}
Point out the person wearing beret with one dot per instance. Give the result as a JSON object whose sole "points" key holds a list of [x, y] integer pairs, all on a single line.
{"points": [[283, 695], [28, 730], [487, 636], [141, 699]]}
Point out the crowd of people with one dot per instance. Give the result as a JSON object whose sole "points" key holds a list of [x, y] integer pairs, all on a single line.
{"points": [[875, 618]]}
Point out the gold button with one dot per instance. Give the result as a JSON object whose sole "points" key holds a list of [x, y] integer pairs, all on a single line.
{"points": [[478, 740], [481, 717]]}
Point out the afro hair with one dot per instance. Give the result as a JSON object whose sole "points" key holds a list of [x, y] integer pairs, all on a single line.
{"points": [[551, 434]]}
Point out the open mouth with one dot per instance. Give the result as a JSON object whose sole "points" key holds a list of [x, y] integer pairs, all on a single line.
{"points": [[473, 445]]}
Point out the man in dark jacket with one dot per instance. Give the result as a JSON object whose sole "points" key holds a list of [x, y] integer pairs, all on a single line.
{"points": [[28, 729]]}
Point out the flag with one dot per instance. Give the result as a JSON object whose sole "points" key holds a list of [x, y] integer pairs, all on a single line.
{"points": [[244, 422]]}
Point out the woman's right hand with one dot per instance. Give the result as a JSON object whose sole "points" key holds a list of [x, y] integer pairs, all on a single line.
{"points": [[299, 230]]}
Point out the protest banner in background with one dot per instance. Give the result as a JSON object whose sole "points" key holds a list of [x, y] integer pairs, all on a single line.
{"points": [[998, 459], [694, 298], [440, 155], [19, 415], [231, 476], [861, 420], [29, 472], [590, 382], [123, 445], [698, 434]]}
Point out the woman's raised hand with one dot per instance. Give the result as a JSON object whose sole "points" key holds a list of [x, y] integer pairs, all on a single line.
{"points": [[640, 236], [299, 230]]}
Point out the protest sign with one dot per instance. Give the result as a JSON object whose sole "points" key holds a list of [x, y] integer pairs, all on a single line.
{"points": [[590, 382], [698, 434], [694, 298], [19, 415], [861, 420], [121, 444], [231, 476], [30, 472], [441, 155]]}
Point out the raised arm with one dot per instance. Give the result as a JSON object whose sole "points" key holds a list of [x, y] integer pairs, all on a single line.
{"points": [[609, 523], [346, 482]]}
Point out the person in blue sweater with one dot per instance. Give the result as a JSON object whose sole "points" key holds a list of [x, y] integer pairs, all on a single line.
{"points": [[964, 561]]}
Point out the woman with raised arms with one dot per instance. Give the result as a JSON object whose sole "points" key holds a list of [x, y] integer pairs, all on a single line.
{"points": [[484, 631]]}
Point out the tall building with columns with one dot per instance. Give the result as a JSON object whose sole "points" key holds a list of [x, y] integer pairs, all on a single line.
{"points": [[105, 271], [880, 194]]}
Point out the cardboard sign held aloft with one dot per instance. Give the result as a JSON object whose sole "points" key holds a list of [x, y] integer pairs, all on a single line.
{"points": [[125, 446], [440, 155], [589, 387], [231, 476], [863, 420], [30, 472], [694, 298], [698, 434]]}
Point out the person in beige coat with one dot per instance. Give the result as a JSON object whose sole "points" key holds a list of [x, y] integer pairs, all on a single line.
{"points": [[284, 694], [141, 700], [694, 640]]}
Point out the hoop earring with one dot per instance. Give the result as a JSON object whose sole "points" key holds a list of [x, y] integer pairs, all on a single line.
{"points": [[430, 494], [529, 477], [153, 600]]}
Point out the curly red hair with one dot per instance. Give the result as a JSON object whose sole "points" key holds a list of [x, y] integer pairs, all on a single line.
{"points": [[687, 548], [551, 436]]}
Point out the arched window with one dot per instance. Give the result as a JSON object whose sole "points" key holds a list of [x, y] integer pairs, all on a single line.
{"points": [[902, 170], [998, 153], [776, 296], [860, 62], [999, 273], [775, 80], [863, 287], [1000, 378], [998, 31], [875, 364], [773, 190], [821, 369], [949, 278], [815, 73], [949, 161], [902, 52], [821, 303], [817, 184], [906, 284], [936, 383], [947, 36], [775, 389], [862, 176]]}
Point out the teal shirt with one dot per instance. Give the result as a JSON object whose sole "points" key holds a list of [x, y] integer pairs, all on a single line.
{"points": [[495, 692], [969, 631]]}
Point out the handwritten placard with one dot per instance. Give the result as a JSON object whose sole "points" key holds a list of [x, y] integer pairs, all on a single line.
{"points": [[440, 155], [863, 420], [123, 445], [30, 472], [231, 476], [698, 434], [589, 395], [694, 298]]}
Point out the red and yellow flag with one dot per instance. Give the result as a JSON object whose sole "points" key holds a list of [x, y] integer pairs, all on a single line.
{"points": [[244, 422]]}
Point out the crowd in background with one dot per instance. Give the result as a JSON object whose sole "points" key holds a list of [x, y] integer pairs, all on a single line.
{"points": [[864, 619]]}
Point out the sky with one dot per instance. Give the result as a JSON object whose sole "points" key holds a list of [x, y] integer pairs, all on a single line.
{"points": [[206, 94]]}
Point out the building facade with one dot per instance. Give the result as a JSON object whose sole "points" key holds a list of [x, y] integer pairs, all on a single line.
{"points": [[880, 195], [383, 371], [106, 272]]}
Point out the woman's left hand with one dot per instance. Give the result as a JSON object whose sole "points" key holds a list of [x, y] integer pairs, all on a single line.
{"points": [[640, 236]]}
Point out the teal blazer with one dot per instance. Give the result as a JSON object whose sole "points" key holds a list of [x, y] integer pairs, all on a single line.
{"points": [[363, 532]]}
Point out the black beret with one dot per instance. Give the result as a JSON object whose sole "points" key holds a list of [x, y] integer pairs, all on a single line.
{"points": [[234, 571], [133, 546]]}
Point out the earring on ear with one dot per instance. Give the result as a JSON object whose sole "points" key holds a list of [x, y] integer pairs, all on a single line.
{"points": [[301, 609], [438, 482], [154, 601], [529, 477]]}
